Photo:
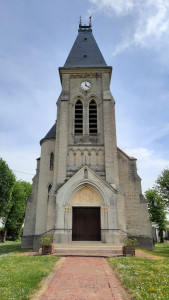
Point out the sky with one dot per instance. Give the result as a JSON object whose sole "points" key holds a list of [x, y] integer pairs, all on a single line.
{"points": [[36, 37]]}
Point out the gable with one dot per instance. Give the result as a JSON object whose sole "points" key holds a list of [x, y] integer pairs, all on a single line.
{"points": [[86, 174]]}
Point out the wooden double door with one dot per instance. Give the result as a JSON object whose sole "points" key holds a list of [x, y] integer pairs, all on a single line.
{"points": [[86, 224]]}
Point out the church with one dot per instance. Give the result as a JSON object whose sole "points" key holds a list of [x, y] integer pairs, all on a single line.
{"points": [[85, 187]]}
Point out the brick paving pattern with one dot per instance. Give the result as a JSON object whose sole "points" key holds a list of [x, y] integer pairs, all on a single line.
{"points": [[85, 278]]}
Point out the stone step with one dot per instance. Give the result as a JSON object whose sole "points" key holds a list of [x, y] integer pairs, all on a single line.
{"points": [[82, 254], [87, 245], [87, 249], [79, 251]]}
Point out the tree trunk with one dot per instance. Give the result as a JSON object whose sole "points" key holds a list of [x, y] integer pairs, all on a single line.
{"points": [[4, 235], [161, 236]]}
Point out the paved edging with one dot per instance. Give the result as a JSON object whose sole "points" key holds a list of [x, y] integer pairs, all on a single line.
{"points": [[44, 284], [118, 291]]}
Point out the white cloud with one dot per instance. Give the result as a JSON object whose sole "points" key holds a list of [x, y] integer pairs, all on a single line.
{"points": [[121, 7], [149, 165], [120, 48], [149, 22], [152, 22]]}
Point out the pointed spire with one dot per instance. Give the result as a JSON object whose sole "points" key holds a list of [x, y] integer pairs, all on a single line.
{"points": [[85, 51]]}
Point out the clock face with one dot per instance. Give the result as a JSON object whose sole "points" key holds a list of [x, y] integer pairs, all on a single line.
{"points": [[85, 85]]}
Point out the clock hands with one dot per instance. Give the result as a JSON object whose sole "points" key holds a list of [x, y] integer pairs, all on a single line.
{"points": [[87, 84]]}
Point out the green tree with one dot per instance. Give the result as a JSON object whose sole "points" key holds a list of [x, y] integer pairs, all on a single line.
{"points": [[27, 188], [14, 221], [7, 180], [156, 209], [162, 185]]}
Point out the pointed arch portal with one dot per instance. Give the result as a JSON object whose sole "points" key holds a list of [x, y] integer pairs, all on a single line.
{"points": [[86, 216]]}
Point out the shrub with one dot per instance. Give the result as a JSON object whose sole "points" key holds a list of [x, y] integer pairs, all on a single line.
{"points": [[46, 240], [130, 243]]}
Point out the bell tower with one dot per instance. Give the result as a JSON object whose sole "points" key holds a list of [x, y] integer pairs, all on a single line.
{"points": [[86, 117]]}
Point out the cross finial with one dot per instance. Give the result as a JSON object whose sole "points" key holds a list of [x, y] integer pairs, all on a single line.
{"points": [[90, 21], [80, 23]]}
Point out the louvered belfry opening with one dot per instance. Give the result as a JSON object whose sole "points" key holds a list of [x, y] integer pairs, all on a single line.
{"points": [[92, 118], [78, 118]]}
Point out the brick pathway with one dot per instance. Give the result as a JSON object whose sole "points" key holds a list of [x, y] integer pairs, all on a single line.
{"points": [[85, 278]]}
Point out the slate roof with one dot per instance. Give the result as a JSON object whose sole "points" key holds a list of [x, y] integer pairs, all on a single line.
{"points": [[50, 135], [85, 51]]}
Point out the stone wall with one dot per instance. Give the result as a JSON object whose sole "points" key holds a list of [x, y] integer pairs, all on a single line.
{"points": [[137, 218], [45, 179]]}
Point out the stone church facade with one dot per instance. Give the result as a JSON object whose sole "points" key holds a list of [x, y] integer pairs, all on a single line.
{"points": [[85, 187]]}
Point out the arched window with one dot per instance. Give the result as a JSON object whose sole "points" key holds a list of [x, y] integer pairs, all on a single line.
{"points": [[92, 117], [49, 188], [51, 161], [79, 118]]}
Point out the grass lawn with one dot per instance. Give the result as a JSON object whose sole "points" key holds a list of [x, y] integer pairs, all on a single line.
{"points": [[145, 278], [160, 250], [21, 275], [9, 247]]}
